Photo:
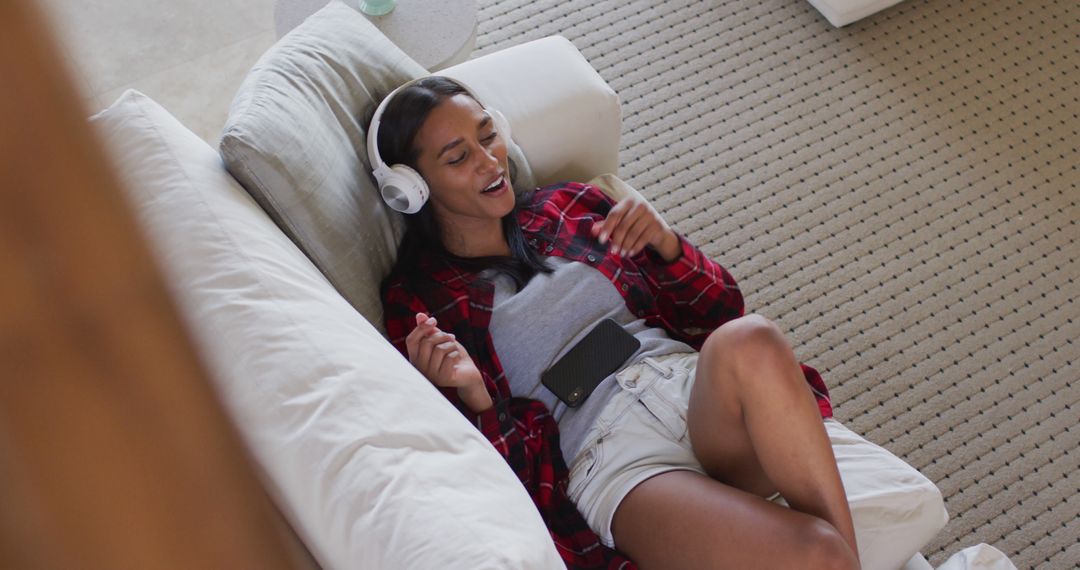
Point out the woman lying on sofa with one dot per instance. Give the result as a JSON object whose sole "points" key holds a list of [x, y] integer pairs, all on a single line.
{"points": [[673, 456]]}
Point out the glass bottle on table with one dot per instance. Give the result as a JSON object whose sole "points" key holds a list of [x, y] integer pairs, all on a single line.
{"points": [[376, 7]]}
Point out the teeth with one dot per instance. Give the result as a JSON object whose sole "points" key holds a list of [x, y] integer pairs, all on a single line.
{"points": [[494, 185]]}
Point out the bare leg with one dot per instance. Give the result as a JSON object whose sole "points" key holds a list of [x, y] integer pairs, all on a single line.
{"points": [[684, 520], [754, 424]]}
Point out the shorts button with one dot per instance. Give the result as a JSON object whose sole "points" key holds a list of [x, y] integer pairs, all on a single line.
{"points": [[625, 286], [550, 247], [502, 417], [591, 258]]}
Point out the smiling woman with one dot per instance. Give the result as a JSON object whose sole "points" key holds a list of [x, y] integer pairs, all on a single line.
{"points": [[491, 287], [460, 174], [440, 133]]}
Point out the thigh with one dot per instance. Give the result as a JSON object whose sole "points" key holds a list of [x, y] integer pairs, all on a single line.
{"points": [[682, 519], [718, 433]]}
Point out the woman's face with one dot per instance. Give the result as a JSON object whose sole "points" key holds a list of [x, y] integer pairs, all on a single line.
{"points": [[460, 156]]}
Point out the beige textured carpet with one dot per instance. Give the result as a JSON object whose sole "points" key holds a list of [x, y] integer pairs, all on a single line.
{"points": [[901, 196]]}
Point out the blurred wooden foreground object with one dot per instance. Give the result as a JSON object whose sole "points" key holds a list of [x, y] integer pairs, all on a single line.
{"points": [[114, 452]]}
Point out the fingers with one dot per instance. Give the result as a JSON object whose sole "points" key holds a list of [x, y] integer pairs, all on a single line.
{"points": [[430, 352], [637, 234], [631, 226], [613, 218], [425, 344], [617, 230], [438, 358], [436, 354], [423, 328], [453, 356], [613, 226]]}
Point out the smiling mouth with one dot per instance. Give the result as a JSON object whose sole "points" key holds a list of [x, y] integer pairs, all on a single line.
{"points": [[495, 186]]}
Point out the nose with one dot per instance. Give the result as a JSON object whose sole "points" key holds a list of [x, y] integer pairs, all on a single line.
{"points": [[487, 161]]}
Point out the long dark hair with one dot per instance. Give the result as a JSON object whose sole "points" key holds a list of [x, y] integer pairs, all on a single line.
{"points": [[400, 122]]}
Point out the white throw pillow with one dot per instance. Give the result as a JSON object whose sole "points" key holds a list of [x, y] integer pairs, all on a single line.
{"points": [[373, 467]]}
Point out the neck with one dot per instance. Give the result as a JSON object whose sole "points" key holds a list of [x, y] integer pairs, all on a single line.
{"points": [[482, 240]]}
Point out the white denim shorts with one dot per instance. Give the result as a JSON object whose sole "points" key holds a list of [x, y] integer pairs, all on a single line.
{"points": [[640, 432]]}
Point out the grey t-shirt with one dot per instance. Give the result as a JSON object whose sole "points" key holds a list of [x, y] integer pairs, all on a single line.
{"points": [[533, 328]]}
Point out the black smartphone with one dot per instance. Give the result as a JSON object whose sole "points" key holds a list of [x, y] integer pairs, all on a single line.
{"points": [[592, 359]]}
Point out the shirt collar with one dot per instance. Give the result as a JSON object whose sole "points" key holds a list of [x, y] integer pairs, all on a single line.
{"points": [[450, 275]]}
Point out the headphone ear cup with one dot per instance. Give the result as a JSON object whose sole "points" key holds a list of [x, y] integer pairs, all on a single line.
{"points": [[501, 124], [404, 189]]}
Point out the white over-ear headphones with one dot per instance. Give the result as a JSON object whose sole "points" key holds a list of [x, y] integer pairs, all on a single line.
{"points": [[401, 187]]}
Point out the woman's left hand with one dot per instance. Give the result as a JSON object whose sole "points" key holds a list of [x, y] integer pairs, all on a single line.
{"points": [[633, 224]]}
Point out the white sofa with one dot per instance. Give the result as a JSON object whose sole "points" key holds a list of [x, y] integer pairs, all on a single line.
{"points": [[370, 464]]}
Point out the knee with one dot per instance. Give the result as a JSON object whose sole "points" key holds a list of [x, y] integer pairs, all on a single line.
{"points": [[746, 339], [818, 545]]}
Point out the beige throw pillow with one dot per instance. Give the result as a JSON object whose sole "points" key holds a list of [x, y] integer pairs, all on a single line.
{"points": [[295, 139]]}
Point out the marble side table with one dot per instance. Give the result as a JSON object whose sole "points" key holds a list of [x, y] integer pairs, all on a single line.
{"points": [[435, 33]]}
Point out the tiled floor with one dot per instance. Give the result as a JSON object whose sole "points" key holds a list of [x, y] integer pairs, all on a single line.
{"points": [[188, 55]]}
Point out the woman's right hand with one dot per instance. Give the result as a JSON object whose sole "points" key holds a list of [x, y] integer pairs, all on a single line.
{"points": [[442, 359]]}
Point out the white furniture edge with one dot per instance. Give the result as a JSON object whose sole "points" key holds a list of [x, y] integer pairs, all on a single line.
{"points": [[535, 81], [368, 462], [840, 13]]}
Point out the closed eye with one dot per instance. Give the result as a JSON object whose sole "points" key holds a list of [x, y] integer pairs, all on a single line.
{"points": [[486, 140]]}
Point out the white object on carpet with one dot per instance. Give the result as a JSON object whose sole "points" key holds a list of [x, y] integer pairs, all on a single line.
{"points": [[978, 557], [843, 12]]}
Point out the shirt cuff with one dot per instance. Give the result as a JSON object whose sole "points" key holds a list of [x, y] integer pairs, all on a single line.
{"points": [[686, 254], [494, 421]]}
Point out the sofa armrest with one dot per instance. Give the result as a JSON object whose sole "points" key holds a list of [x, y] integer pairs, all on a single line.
{"points": [[563, 115]]}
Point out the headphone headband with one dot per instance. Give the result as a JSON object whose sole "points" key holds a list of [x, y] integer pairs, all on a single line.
{"points": [[379, 167]]}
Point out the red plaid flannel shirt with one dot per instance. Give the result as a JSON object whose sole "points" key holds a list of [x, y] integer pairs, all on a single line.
{"points": [[688, 298]]}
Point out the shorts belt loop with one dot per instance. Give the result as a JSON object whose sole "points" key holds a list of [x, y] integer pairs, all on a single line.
{"points": [[659, 366]]}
